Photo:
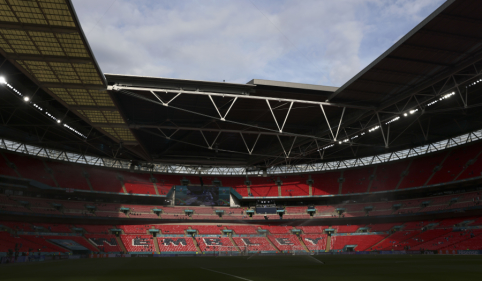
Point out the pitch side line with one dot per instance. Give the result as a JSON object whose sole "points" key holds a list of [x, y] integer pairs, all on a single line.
{"points": [[316, 259], [226, 274]]}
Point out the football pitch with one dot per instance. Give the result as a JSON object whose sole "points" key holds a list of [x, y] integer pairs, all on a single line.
{"points": [[257, 268]]}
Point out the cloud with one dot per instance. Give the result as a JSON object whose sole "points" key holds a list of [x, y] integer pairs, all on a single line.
{"points": [[315, 42]]}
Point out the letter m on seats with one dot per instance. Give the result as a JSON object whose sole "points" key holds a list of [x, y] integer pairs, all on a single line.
{"points": [[177, 242]]}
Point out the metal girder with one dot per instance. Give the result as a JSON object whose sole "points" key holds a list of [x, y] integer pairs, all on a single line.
{"points": [[93, 107], [119, 87], [165, 127], [46, 58], [214, 117], [37, 27], [73, 86], [417, 61]]}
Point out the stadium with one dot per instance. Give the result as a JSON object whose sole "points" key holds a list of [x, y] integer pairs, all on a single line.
{"points": [[126, 177]]}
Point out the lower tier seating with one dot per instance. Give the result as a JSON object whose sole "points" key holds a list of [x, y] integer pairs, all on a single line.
{"points": [[138, 243], [254, 244], [314, 242], [176, 244], [362, 242], [210, 244], [286, 242], [105, 242]]}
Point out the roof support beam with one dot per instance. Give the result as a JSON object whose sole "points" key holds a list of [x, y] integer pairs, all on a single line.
{"points": [[417, 61], [73, 86], [37, 27], [117, 88], [91, 107], [77, 60]]}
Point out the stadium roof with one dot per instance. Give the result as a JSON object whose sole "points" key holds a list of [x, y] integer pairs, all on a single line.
{"points": [[421, 90]]}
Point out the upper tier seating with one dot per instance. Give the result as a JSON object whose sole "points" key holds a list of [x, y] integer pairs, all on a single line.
{"points": [[138, 243], [31, 168], [68, 175], [254, 244], [295, 186], [421, 169], [210, 244], [138, 183], [6, 170], [388, 175], [286, 242], [454, 164], [263, 187], [363, 242], [104, 179], [176, 244], [357, 180], [104, 242], [314, 242], [326, 183]]}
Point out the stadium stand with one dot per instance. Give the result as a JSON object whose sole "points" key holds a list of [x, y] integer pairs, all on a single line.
{"points": [[388, 175], [454, 164], [104, 179], [362, 242], [211, 244], [138, 243], [286, 242], [263, 187], [242, 229], [356, 180], [421, 169], [326, 183], [104, 242], [135, 229], [277, 229], [314, 242], [173, 229], [176, 244], [138, 183], [207, 229], [5, 169], [68, 175], [295, 186], [31, 168], [254, 244]]}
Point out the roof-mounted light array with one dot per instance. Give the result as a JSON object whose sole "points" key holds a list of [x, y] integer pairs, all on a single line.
{"points": [[39, 108]]}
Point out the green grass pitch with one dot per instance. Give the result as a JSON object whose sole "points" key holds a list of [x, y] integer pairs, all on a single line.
{"points": [[258, 268]]}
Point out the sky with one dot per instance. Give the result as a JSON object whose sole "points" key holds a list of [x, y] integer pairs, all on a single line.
{"points": [[323, 42]]}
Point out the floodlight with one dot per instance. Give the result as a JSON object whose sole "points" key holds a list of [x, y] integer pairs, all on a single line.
{"points": [[2, 80], [26, 98]]}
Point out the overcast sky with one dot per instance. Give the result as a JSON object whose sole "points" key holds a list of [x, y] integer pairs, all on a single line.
{"points": [[316, 42]]}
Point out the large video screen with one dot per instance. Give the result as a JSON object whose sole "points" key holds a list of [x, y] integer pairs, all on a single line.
{"points": [[201, 195]]}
